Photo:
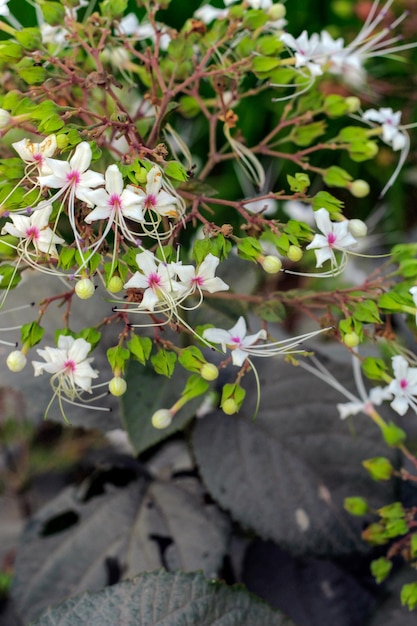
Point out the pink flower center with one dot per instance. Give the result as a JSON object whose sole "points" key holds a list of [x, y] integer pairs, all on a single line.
{"points": [[150, 201], [70, 366], [115, 202], [32, 233], [198, 280], [154, 280], [331, 239], [235, 340], [403, 383], [38, 158], [74, 177]]}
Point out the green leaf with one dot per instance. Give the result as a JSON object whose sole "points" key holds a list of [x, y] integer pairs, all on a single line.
{"points": [[264, 64], [380, 568], [356, 506], [409, 596], [113, 8], [299, 183], [254, 19], [140, 348], [249, 248], [379, 468], [92, 335], [393, 434], [336, 177], [194, 387], [307, 133], [218, 246], [66, 258], [53, 12], [374, 368], [162, 598], [192, 359], [392, 302], [335, 105], [9, 276], [32, 333], [164, 362], [118, 357], [324, 200], [367, 312], [30, 38], [176, 170], [32, 75]]}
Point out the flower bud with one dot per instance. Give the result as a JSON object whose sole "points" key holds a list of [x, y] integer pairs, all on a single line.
{"points": [[5, 118], [271, 264], [84, 288], [294, 253], [351, 340], [230, 406], [115, 284], [209, 372], [161, 419], [16, 361], [276, 12], [357, 228], [353, 104], [359, 188], [117, 386], [356, 505]]}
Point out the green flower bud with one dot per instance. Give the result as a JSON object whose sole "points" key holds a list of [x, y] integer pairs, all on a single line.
{"points": [[161, 419], [84, 288], [230, 406], [353, 104], [115, 284], [379, 468], [117, 386], [359, 188], [16, 361], [351, 340], [357, 228], [277, 11], [356, 506], [209, 372], [271, 264], [294, 253]]}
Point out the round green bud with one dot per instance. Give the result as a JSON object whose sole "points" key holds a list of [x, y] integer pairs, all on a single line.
{"points": [[115, 284], [141, 175], [357, 228], [209, 372], [294, 253], [271, 264], [5, 118], [356, 505], [230, 406], [161, 419], [85, 288], [277, 12], [351, 340], [16, 361], [359, 188], [353, 104], [62, 141], [117, 386]]}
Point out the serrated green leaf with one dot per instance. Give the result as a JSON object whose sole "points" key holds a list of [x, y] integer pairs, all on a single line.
{"points": [[176, 170], [164, 362], [140, 347]]}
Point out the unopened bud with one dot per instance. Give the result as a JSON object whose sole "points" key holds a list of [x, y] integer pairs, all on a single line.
{"points": [[209, 372], [117, 386], [230, 406], [353, 104], [294, 253], [115, 284], [161, 419], [359, 188], [351, 340], [271, 264], [84, 288], [16, 361], [5, 118], [276, 12], [357, 228]]}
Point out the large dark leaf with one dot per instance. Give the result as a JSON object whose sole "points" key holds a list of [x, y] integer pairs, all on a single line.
{"points": [[165, 599], [95, 535], [286, 474]]}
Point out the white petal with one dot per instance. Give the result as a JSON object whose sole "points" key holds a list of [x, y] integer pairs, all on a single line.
{"points": [[81, 158]]}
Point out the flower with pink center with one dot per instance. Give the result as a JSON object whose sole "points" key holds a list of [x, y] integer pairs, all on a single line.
{"points": [[35, 153], [72, 175], [157, 281], [34, 230], [403, 386], [114, 204], [336, 236], [154, 198], [69, 365], [202, 277]]}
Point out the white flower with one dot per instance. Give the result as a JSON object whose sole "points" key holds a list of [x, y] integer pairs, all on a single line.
{"points": [[53, 34], [4, 9], [31, 152], [336, 236], [154, 198], [376, 396], [35, 230], [70, 368], [207, 13], [235, 339], [156, 279], [390, 126], [403, 386], [5, 118], [115, 204], [307, 51], [130, 26], [202, 277], [73, 174]]}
